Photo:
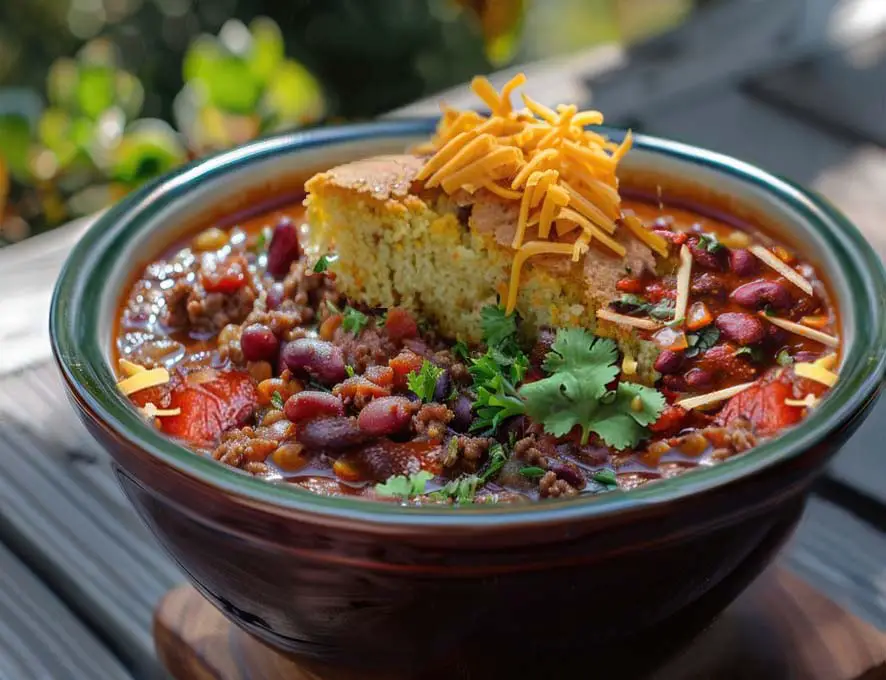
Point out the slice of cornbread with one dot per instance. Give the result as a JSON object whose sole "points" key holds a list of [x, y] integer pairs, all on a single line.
{"points": [[446, 257]]}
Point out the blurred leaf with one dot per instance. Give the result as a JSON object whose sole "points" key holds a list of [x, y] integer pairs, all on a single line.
{"points": [[201, 54], [501, 22], [268, 48], [15, 142], [95, 90], [150, 147], [231, 86], [130, 94], [61, 83], [293, 95], [100, 52], [82, 131], [54, 132]]}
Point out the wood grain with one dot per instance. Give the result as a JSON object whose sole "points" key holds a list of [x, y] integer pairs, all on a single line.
{"points": [[40, 637], [780, 628]]}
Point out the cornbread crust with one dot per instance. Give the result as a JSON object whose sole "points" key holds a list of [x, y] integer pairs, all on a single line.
{"points": [[398, 247]]}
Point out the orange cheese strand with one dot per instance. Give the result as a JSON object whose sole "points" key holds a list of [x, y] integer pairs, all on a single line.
{"points": [[526, 251]]}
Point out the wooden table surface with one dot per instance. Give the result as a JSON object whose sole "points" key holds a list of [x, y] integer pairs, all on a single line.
{"points": [[79, 573]]}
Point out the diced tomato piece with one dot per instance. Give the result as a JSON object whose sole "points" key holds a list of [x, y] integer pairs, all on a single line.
{"points": [[400, 325], [671, 421], [328, 327], [763, 405], [383, 376], [209, 408], [630, 284], [358, 386], [721, 360], [227, 277], [658, 290], [403, 364]]}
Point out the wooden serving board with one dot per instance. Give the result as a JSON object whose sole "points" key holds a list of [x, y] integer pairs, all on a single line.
{"points": [[780, 628]]}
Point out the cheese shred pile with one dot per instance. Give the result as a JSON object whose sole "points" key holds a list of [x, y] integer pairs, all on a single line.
{"points": [[562, 175]]}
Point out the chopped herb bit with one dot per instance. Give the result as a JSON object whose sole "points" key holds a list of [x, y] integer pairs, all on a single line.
{"points": [[262, 240], [424, 381], [322, 264], [497, 397], [350, 371], [606, 478], [497, 460], [710, 243], [755, 354], [768, 311], [576, 394], [404, 487], [532, 472], [499, 328], [634, 304], [277, 401], [332, 307], [702, 341], [354, 320], [461, 490], [461, 350], [784, 358]]}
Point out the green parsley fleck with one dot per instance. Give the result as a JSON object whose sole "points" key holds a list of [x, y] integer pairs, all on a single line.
{"points": [[262, 240], [581, 366], [464, 488], [662, 310], [353, 320], [755, 354], [277, 401], [701, 342], [424, 381], [401, 486], [460, 349], [497, 397], [710, 243], [498, 328], [532, 472], [350, 371], [606, 477], [784, 358], [322, 264]]}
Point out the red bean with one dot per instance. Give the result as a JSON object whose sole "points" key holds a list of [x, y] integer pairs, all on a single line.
{"points": [[463, 414], [259, 343], [743, 262], [386, 415], [322, 360], [283, 249], [699, 378], [758, 294], [311, 404], [741, 328], [569, 473], [703, 256], [331, 433], [707, 284], [668, 361], [675, 383], [443, 387]]}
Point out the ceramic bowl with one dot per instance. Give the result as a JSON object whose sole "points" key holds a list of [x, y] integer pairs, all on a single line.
{"points": [[373, 584]]}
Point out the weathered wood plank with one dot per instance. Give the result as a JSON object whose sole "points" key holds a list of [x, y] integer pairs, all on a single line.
{"points": [[63, 510], [40, 637]]}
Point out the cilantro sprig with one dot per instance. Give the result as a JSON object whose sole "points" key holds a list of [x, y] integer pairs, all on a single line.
{"points": [[322, 264], [353, 320], [464, 488], [403, 486], [662, 310], [577, 393], [701, 342], [424, 381]]}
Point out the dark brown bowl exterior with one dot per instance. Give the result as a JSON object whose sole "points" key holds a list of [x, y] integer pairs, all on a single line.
{"points": [[424, 599]]}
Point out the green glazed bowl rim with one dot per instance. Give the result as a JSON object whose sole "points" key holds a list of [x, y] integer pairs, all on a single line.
{"points": [[74, 332]]}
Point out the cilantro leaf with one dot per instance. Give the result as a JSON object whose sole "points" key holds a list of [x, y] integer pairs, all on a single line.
{"points": [[353, 320], [424, 381], [322, 264], [784, 358], [262, 240], [755, 354], [702, 341], [496, 398], [710, 242], [401, 486], [532, 472], [277, 401], [460, 349], [606, 477], [634, 304], [350, 371], [576, 394], [497, 460], [464, 488], [498, 327]]}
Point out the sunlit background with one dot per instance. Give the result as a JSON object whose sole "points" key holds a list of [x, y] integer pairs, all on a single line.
{"points": [[99, 96]]}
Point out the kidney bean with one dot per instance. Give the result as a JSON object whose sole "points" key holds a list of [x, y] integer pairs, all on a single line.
{"points": [[386, 415], [668, 362], [699, 378], [322, 360], [775, 335], [742, 262], [258, 343], [758, 294], [708, 284], [443, 387], [312, 404], [569, 473], [703, 256], [675, 383], [335, 434], [741, 328], [283, 249], [463, 414]]}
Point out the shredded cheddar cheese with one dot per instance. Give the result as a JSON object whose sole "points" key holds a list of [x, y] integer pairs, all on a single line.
{"points": [[809, 401], [804, 331], [828, 362], [684, 277], [142, 380], [769, 258], [150, 410], [130, 368], [817, 373], [562, 175], [713, 397]]}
